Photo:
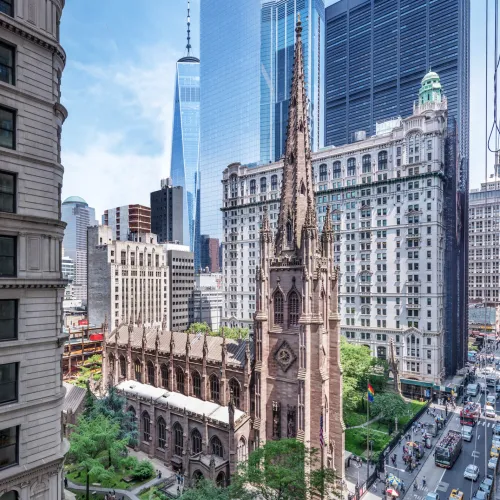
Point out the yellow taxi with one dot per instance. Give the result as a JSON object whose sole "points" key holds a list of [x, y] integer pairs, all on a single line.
{"points": [[495, 451], [456, 495]]}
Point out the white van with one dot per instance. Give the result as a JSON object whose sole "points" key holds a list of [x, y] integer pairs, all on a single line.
{"points": [[467, 433], [472, 390], [489, 411]]}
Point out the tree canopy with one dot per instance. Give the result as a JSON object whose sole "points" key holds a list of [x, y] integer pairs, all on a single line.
{"points": [[388, 405]]}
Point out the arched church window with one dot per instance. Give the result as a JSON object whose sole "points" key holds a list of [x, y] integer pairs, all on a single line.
{"points": [[164, 376], [146, 426], [196, 379], [278, 308], [195, 442], [289, 232], [293, 308], [214, 388], [162, 433], [217, 449], [178, 439], [138, 370], [123, 367], [179, 378], [151, 373], [234, 388]]}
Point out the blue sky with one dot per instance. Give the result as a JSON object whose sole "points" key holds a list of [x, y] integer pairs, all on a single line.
{"points": [[118, 86]]}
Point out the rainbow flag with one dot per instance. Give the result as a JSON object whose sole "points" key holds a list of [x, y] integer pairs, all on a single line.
{"points": [[371, 393]]}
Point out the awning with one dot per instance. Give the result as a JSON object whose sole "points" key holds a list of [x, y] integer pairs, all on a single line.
{"points": [[420, 383]]}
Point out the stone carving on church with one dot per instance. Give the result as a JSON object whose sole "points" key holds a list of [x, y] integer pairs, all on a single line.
{"points": [[276, 420], [285, 356]]}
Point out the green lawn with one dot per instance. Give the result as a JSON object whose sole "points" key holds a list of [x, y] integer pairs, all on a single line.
{"points": [[116, 481], [152, 494], [355, 439]]}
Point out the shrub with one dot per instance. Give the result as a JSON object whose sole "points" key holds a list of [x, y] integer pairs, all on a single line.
{"points": [[143, 470], [130, 462]]}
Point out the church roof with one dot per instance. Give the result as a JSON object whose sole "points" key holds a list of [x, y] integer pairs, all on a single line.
{"points": [[180, 401], [235, 347]]}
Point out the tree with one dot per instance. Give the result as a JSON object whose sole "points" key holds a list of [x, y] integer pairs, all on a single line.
{"points": [[199, 327], [94, 442], [206, 490], [88, 402], [233, 333], [389, 406], [143, 470], [112, 406], [283, 470], [90, 368]]}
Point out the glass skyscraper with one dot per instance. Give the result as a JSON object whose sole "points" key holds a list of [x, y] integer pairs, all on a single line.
{"points": [[184, 169], [377, 52], [278, 20], [230, 96]]}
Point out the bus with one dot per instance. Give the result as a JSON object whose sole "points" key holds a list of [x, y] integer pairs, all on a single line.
{"points": [[448, 449]]}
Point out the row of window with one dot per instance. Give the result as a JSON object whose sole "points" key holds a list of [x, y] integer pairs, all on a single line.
{"points": [[179, 379]]}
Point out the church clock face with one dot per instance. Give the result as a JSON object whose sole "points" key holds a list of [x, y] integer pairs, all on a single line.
{"points": [[284, 356]]}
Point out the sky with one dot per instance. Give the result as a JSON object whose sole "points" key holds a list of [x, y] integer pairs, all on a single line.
{"points": [[118, 86]]}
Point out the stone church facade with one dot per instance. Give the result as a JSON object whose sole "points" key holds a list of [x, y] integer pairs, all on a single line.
{"points": [[201, 401]]}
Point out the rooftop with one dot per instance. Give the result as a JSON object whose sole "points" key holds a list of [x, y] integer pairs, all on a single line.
{"points": [[74, 199], [73, 398]]}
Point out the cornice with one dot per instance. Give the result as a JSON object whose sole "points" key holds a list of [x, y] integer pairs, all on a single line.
{"points": [[23, 157], [25, 283], [17, 217], [20, 29]]}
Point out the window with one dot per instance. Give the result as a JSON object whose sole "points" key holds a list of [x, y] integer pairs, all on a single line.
{"points": [[214, 388], [382, 160], [164, 376], [7, 192], [178, 439], [367, 164], [217, 449], [413, 347], [138, 370], [278, 308], [351, 166], [196, 384], [162, 433], [195, 442], [9, 439], [7, 7], [253, 186], [6, 61], [337, 170], [8, 320], [179, 377], [123, 367], [7, 256], [323, 173], [293, 308], [274, 182], [234, 390], [151, 373], [7, 127], [8, 383], [263, 186], [146, 426]]}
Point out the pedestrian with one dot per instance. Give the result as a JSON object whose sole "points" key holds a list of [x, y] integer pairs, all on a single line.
{"points": [[66, 482], [424, 482], [159, 474]]}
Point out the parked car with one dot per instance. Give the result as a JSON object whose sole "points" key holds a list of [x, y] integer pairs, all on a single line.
{"points": [[456, 495], [471, 472], [496, 429], [496, 441], [493, 463], [487, 484], [480, 495], [432, 496], [498, 388], [495, 451]]}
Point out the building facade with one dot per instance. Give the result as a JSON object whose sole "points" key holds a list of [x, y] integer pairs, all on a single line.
{"points": [[127, 220], [167, 209], [32, 448], [180, 262], [388, 197], [126, 279], [184, 167], [77, 215], [210, 255], [208, 300], [230, 89], [190, 394], [277, 43], [484, 242]]}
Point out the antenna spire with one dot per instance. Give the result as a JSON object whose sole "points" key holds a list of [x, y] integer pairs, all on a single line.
{"points": [[188, 46]]}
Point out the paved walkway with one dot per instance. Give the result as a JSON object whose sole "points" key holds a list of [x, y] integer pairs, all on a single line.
{"points": [[135, 492]]}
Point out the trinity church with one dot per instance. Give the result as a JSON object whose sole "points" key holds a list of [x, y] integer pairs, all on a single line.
{"points": [[203, 402]]}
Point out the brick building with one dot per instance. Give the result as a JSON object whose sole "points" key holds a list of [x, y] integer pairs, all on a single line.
{"points": [[127, 220]]}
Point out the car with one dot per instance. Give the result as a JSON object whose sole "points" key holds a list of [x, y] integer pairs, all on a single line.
{"points": [[491, 399], [487, 484], [495, 451], [432, 496], [496, 429], [489, 411], [471, 472], [483, 387], [496, 441], [480, 495], [498, 388], [493, 463], [456, 495]]}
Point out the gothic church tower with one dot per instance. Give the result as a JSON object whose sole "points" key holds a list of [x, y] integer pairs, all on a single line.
{"points": [[298, 379]]}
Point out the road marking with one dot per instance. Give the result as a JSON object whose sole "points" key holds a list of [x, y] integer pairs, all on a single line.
{"points": [[442, 485]]}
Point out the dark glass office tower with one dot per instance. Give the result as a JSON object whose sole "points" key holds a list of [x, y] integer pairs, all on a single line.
{"points": [[376, 53]]}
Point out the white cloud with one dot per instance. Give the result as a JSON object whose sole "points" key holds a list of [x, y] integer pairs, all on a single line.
{"points": [[105, 170]]}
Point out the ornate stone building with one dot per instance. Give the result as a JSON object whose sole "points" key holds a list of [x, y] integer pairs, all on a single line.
{"points": [[298, 379], [190, 393], [32, 447], [201, 401]]}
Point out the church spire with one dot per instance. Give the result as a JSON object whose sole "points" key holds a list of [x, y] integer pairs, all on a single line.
{"points": [[297, 197]]}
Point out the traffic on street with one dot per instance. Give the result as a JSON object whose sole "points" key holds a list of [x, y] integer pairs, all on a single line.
{"points": [[452, 452]]}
